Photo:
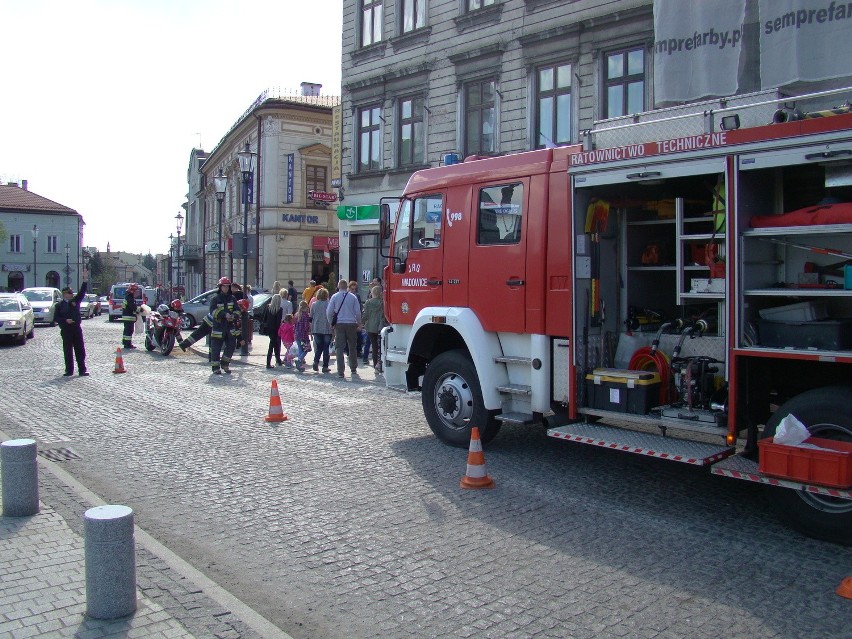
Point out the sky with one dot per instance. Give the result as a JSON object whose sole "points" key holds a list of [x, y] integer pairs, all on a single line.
{"points": [[102, 101]]}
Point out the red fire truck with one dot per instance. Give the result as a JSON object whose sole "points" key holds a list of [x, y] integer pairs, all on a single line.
{"points": [[681, 297]]}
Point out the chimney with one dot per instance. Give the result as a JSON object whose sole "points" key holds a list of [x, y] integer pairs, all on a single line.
{"points": [[24, 184], [310, 88]]}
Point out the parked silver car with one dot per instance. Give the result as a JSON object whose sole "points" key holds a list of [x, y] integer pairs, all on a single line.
{"points": [[43, 300], [88, 306], [17, 321]]}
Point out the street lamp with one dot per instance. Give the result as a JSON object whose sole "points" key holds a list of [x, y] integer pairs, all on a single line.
{"points": [[171, 264], [35, 237], [67, 267], [179, 221], [221, 183], [246, 158]]}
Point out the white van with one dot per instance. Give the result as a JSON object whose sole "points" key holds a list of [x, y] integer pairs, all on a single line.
{"points": [[116, 298]]}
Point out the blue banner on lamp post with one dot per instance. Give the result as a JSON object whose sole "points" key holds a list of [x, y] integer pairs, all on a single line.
{"points": [[291, 160], [248, 191]]}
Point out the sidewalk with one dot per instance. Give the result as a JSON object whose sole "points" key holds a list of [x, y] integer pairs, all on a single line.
{"points": [[43, 579]]}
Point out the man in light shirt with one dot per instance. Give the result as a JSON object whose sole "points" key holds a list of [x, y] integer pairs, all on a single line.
{"points": [[344, 313]]}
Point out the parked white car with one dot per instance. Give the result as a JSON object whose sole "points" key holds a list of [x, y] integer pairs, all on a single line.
{"points": [[17, 321], [43, 300], [88, 306]]}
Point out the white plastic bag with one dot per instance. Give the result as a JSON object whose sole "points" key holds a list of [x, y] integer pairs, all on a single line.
{"points": [[791, 432], [294, 350]]}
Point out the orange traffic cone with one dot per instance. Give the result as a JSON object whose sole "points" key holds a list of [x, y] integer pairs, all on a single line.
{"points": [[276, 413], [476, 477], [119, 362], [845, 588]]}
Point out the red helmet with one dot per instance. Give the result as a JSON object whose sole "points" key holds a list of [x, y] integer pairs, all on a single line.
{"points": [[243, 304], [133, 288], [176, 305], [224, 281]]}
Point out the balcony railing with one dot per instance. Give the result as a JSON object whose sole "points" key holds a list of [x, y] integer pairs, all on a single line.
{"points": [[191, 252]]}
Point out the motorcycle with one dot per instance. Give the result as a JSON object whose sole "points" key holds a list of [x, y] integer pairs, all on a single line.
{"points": [[162, 329]]}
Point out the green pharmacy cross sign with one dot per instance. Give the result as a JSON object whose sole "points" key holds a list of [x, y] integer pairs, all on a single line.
{"points": [[353, 213]]}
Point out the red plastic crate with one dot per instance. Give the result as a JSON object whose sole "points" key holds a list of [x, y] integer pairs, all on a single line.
{"points": [[832, 468]]}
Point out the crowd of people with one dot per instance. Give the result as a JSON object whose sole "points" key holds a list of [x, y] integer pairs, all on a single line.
{"points": [[315, 321], [297, 327]]}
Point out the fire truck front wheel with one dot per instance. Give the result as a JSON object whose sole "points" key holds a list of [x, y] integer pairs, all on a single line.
{"points": [[452, 400], [825, 411]]}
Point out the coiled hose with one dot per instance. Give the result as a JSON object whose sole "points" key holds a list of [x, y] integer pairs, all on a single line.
{"points": [[648, 358]]}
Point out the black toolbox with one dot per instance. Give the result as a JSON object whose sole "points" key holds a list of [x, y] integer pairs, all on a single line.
{"points": [[623, 391]]}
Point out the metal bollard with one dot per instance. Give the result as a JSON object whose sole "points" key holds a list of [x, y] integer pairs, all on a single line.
{"points": [[110, 562], [19, 477]]}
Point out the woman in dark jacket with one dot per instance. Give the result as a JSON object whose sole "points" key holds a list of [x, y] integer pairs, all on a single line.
{"points": [[272, 321]]}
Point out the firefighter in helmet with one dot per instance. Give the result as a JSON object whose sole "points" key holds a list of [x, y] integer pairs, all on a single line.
{"points": [[129, 311], [225, 314]]}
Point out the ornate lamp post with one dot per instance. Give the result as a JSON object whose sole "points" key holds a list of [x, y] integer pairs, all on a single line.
{"points": [[221, 183], [35, 238], [67, 266], [179, 224], [247, 159], [171, 264]]}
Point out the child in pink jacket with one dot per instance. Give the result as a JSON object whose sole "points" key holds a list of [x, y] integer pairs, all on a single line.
{"points": [[287, 333]]}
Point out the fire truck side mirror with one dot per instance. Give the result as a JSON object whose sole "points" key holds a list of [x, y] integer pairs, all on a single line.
{"points": [[384, 222]]}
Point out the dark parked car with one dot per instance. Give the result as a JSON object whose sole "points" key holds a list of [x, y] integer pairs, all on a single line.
{"points": [[195, 309]]}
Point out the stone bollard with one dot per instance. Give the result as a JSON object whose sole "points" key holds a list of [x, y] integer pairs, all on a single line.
{"points": [[110, 562], [19, 477]]}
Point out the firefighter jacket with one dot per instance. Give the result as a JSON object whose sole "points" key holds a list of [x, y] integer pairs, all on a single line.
{"points": [[226, 314], [129, 308]]}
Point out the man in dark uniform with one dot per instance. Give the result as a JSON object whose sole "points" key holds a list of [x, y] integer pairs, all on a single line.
{"points": [[67, 315], [292, 296], [223, 308], [129, 310]]}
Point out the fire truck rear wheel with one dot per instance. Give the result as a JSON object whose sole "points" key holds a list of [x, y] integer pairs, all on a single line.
{"points": [[452, 400], [825, 411]]}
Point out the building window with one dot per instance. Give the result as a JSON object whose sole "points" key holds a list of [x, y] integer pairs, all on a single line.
{"points": [[480, 116], [52, 242], [473, 5], [500, 211], [315, 180], [369, 139], [371, 22], [15, 244], [411, 137], [554, 106], [413, 15], [625, 82]]}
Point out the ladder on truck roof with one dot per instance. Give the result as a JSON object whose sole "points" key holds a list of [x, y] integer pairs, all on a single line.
{"points": [[747, 110]]}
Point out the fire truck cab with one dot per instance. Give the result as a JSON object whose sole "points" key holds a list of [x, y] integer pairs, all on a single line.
{"points": [[680, 297]]}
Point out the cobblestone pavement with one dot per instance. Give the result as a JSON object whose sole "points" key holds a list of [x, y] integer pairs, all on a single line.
{"points": [[347, 520]]}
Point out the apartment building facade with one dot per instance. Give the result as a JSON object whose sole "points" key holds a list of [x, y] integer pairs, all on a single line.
{"points": [[290, 219], [432, 81], [41, 240]]}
